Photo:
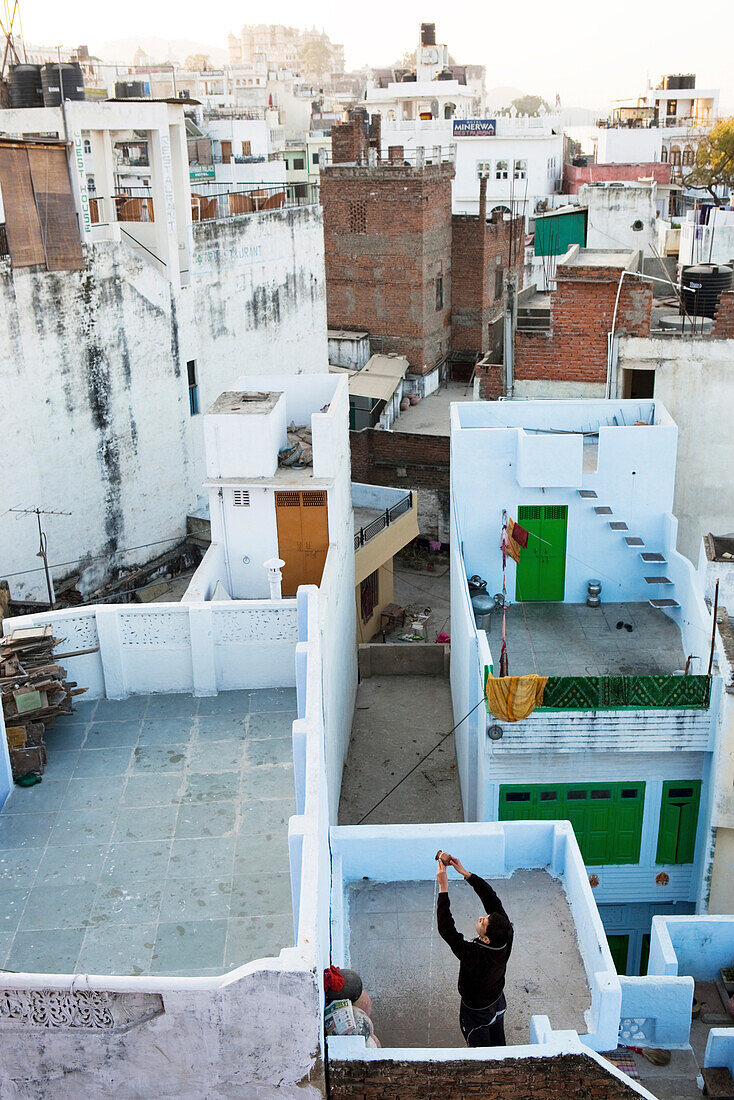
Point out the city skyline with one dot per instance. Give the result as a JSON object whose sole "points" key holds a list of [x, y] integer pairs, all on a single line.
{"points": [[540, 57]]}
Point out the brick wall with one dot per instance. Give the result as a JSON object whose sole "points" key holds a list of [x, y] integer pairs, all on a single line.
{"points": [[387, 240], [568, 1077], [574, 349], [724, 319], [574, 178], [377, 456], [348, 142], [479, 263]]}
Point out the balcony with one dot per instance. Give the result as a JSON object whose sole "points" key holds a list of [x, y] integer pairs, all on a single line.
{"points": [[218, 201], [370, 519]]}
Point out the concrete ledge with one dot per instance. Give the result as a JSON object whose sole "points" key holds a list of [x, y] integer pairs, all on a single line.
{"points": [[404, 659]]}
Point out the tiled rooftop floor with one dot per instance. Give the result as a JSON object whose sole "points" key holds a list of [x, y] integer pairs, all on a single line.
{"points": [[157, 841], [571, 639]]}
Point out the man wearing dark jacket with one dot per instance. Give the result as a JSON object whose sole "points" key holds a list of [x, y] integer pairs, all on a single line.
{"points": [[482, 961]]}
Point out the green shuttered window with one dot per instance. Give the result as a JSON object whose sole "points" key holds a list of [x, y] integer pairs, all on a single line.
{"points": [[678, 822], [606, 817]]}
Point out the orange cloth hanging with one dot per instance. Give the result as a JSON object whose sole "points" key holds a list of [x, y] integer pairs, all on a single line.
{"points": [[512, 698]]}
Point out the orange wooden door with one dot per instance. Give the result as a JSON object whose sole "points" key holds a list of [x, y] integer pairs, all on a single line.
{"points": [[303, 537], [315, 526], [226, 152], [290, 541]]}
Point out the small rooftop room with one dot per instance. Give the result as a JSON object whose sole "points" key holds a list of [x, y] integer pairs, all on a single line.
{"points": [[599, 588]]}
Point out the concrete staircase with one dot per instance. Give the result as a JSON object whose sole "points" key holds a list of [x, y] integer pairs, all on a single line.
{"points": [[657, 580]]}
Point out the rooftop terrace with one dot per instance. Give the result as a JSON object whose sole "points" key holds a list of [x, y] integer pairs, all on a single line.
{"points": [[565, 639], [393, 932], [157, 842]]}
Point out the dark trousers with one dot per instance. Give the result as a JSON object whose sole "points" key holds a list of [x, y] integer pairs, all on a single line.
{"points": [[484, 1027]]}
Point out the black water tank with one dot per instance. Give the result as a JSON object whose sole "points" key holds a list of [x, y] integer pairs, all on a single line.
{"points": [[129, 89], [72, 83], [428, 34], [702, 285], [445, 74], [26, 89]]}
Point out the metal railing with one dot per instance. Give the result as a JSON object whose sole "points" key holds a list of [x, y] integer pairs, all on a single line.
{"points": [[223, 200], [128, 204], [379, 523], [400, 157]]}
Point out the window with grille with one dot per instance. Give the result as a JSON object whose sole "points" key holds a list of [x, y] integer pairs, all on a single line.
{"points": [[484, 169], [358, 217], [241, 498], [439, 292], [499, 281], [521, 169], [193, 387], [368, 595], [298, 164], [502, 171]]}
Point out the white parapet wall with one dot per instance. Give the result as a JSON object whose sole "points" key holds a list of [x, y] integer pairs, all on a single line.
{"points": [[202, 648], [396, 853]]}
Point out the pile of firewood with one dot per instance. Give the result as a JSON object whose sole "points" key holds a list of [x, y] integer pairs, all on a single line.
{"points": [[34, 693]]}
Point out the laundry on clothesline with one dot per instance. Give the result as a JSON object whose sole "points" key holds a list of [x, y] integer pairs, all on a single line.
{"points": [[512, 698]]}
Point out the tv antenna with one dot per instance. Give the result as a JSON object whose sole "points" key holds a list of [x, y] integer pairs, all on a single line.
{"points": [[43, 541], [9, 18]]}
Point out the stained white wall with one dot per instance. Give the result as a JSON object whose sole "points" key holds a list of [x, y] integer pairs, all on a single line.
{"points": [[613, 211], [93, 363]]}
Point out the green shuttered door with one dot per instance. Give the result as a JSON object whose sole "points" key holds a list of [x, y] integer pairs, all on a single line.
{"points": [[606, 817], [541, 571], [678, 822]]}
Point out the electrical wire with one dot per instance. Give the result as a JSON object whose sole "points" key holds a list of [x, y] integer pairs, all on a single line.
{"points": [[96, 557], [421, 761]]}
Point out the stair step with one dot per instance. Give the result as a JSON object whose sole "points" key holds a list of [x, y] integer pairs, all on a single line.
{"points": [[654, 559], [618, 525], [602, 510], [663, 603], [634, 540], [658, 580], [587, 494]]}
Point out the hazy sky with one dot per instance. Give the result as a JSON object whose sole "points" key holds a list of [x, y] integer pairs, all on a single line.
{"points": [[589, 53]]}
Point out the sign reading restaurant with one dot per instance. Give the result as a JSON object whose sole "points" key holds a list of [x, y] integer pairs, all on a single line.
{"points": [[475, 127]]}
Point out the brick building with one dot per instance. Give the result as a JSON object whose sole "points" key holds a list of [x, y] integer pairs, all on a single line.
{"points": [[422, 282], [479, 263], [570, 350]]}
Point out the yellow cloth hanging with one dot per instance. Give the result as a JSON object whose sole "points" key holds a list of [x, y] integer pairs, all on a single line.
{"points": [[513, 698]]}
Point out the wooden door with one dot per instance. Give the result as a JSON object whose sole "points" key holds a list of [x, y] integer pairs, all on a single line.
{"points": [[303, 537], [315, 526], [226, 152]]}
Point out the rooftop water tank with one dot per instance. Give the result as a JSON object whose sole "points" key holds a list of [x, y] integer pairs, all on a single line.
{"points": [[72, 83], [129, 89], [428, 34], [702, 286], [26, 89]]}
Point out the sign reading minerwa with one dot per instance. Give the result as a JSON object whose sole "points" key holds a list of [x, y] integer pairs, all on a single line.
{"points": [[475, 127]]}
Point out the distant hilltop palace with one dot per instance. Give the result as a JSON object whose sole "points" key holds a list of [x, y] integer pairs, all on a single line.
{"points": [[281, 46]]}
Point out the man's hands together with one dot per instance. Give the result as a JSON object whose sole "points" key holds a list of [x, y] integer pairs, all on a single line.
{"points": [[442, 871]]}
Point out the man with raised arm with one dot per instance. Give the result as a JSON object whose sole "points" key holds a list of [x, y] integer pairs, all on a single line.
{"points": [[482, 960]]}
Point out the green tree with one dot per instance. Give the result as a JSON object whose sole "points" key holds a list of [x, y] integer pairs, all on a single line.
{"points": [[197, 62], [714, 166], [315, 57], [529, 104]]}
